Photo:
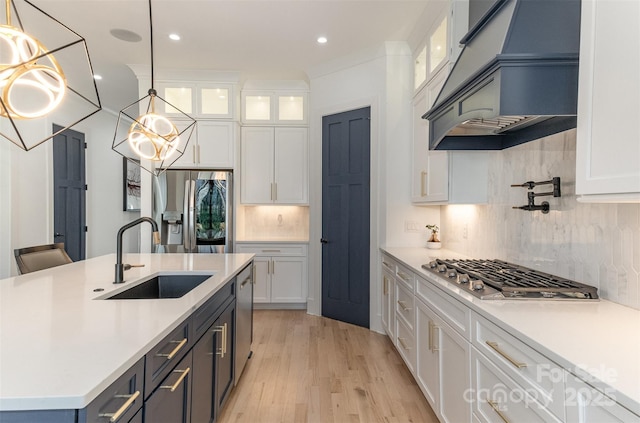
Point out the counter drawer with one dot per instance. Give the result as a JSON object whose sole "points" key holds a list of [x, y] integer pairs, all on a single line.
{"points": [[164, 356], [388, 264], [406, 344], [532, 370], [405, 305], [209, 311], [456, 314], [497, 398], [120, 401], [406, 276], [273, 249]]}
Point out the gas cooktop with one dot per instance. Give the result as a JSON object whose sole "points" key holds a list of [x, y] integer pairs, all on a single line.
{"points": [[497, 280]]}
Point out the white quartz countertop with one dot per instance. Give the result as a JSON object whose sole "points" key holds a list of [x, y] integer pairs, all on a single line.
{"points": [[597, 341], [60, 346]]}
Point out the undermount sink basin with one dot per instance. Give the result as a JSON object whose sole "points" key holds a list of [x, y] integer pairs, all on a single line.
{"points": [[161, 286]]}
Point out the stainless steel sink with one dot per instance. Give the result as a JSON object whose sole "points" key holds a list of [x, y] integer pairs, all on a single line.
{"points": [[161, 286]]}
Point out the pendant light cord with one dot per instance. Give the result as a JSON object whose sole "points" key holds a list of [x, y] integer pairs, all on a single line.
{"points": [[151, 38]]}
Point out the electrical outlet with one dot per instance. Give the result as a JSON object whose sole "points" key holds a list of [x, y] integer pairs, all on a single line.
{"points": [[465, 231], [411, 226]]}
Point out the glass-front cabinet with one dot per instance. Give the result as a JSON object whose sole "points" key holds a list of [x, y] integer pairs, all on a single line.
{"points": [[198, 99], [274, 107]]}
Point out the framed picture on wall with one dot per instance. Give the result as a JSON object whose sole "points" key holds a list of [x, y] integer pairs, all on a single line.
{"points": [[131, 184]]}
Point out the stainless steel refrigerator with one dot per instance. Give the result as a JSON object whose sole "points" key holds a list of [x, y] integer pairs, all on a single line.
{"points": [[194, 211]]}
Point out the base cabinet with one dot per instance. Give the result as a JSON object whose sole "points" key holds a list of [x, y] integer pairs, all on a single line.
{"points": [[585, 404], [171, 401]]}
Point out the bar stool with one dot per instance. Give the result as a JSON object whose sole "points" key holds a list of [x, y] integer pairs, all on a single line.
{"points": [[31, 259]]}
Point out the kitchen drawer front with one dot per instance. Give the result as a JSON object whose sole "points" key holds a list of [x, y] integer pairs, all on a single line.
{"points": [[405, 305], [207, 313], [497, 398], [273, 249], [171, 401], [456, 314], [585, 404], [406, 277], [164, 356], [541, 377], [120, 401], [388, 264], [406, 344]]}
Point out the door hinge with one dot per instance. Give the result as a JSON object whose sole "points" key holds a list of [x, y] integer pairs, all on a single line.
{"points": [[86, 187], [86, 229], [85, 145]]}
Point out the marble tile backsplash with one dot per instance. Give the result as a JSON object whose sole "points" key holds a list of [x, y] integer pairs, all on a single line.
{"points": [[596, 244], [273, 223]]}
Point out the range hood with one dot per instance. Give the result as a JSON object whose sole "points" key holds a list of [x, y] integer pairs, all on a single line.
{"points": [[516, 79]]}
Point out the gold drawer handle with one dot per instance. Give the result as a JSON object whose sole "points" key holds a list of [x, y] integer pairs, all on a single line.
{"points": [[387, 265], [403, 305], [404, 276], [175, 350], [271, 251], [179, 381], [494, 405], [497, 349], [123, 408], [404, 345]]}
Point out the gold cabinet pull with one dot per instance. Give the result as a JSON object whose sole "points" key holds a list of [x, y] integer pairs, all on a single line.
{"points": [[179, 381], [423, 177], [223, 348], [123, 408], [404, 276], [175, 350], [271, 251], [496, 348], [432, 331], [403, 305], [385, 285], [496, 408], [387, 265], [403, 343]]}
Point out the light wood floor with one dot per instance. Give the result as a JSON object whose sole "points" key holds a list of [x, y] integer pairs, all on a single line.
{"points": [[312, 369]]}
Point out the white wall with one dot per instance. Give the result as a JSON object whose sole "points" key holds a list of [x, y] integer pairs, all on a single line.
{"points": [[26, 193], [380, 79]]}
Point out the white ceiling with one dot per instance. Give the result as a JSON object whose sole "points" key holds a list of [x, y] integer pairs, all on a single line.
{"points": [[262, 39]]}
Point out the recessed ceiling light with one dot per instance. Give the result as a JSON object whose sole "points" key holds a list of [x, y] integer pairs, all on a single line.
{"points": [[174, 37], [322, 40], [97, 77], [126, 35]]}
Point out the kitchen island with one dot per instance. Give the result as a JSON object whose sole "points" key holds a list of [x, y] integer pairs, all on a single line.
{"points": [[62, 343]]}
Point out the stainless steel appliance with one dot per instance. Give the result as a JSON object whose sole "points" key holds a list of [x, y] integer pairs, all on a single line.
{"points": [[498, 280], [244, 319], [193, 209]]}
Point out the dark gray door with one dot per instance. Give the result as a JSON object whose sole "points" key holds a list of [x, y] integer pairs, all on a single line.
{"points": [[345, 216], [69, 207]]}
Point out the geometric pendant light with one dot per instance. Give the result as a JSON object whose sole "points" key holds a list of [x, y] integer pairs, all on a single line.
{"points": [[145, 136], [45, 76]]}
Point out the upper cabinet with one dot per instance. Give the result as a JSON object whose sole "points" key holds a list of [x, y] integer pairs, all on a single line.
{"points": [[274, 166], [608, 133], [200, 100], [263, 107], [212, 145], [440, 48]]}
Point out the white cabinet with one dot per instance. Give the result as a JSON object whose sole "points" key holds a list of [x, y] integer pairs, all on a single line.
{"points": [[443, 355], [388, 296], [608, 133], [280, 272], [274, 166], [262, 107], [443, 177], [197, 99], [585, 404], [212, 145]]}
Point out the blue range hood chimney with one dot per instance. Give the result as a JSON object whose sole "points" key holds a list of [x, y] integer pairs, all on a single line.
{"points": [[516, 79]]}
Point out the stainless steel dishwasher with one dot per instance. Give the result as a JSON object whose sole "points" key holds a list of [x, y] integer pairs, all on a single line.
{"points": [[244, 318]]}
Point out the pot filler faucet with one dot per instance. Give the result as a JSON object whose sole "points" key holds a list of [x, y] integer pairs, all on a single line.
{"points": [[120, 268]]}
